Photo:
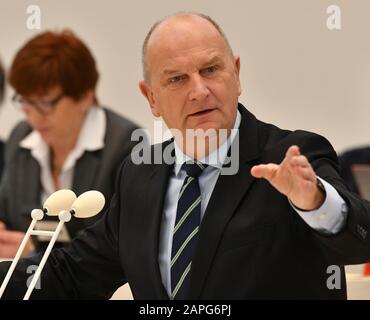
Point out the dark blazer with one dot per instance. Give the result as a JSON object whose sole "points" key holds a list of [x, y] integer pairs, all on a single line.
{"points": [[20, 191], [350, 158], [251, 245], [2, 155]]}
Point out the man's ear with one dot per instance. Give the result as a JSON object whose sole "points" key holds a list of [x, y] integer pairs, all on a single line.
{"points": [[148, 94], [237, 72]]}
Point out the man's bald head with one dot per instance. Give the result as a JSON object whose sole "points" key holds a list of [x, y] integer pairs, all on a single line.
{"points": [[168, 20]]}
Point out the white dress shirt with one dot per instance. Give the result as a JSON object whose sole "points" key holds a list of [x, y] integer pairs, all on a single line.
{"points": [[91, 138], [329, 218]]}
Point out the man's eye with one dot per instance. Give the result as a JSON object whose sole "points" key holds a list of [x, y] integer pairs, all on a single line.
{"points": [[176, 79], [209, 70]]}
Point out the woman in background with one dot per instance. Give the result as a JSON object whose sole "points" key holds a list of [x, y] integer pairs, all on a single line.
{"points": [[2, 89], [68, 140]]}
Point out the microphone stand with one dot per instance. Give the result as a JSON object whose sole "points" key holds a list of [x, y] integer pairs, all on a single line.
{"points": [[86, 205], [36, 214], [64, 216]]}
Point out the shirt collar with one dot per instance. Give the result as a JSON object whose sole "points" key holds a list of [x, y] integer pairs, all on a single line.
{"points": [[215, 159], [91, 138]]}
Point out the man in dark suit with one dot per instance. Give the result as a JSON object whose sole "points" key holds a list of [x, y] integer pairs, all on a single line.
{"points": [[190, 229]]}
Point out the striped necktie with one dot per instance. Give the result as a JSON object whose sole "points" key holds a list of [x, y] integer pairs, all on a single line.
{"points": [[185, 234]]}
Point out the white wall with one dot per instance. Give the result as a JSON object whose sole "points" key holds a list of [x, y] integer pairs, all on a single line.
{"points": [[295, 72]]}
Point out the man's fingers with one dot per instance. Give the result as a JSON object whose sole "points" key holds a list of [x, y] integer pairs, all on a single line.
{"points": [[305, 173], [303, 168], [266, 171], [292, 152], [300, 161], [2, 226]]}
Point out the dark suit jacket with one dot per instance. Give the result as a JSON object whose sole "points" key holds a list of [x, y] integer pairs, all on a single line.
{"points": [[20, 191], [350, 158], [2, 154], [252, 244]]}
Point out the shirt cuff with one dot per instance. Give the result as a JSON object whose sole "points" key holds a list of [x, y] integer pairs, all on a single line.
{"points": [[331, 216]]}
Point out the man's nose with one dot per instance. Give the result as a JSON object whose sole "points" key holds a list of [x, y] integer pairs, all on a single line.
{"points": [[199, 88]]}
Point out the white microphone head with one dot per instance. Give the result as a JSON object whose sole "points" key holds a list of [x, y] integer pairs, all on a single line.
{"points": [[88, 204], [59, 201]]}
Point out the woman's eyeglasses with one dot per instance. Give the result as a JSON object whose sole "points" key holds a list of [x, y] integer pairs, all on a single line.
{"points": [[43, 106]]}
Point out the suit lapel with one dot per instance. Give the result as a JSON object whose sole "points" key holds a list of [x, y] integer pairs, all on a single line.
{"points": [[157, 187], [226, 196], [86, 170]]}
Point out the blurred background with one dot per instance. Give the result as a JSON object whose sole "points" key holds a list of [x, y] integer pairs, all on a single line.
{"points": [[296, 73]]}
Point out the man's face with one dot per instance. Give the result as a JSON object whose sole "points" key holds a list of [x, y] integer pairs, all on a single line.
{"points": [[193, 78]]}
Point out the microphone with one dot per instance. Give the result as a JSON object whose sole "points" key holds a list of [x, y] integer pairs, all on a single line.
{"points": [[58, 201], [86, 205]]}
